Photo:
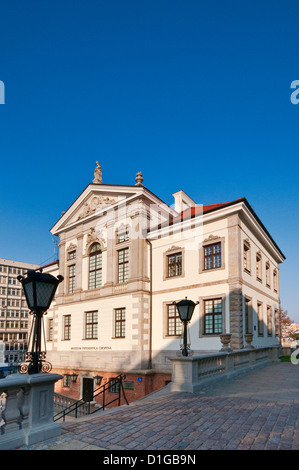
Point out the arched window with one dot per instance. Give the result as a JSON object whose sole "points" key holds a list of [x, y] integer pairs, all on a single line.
{"points": [[95, 266]]}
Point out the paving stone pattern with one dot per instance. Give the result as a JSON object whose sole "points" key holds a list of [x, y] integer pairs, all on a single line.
{"points": [[257, 411]]}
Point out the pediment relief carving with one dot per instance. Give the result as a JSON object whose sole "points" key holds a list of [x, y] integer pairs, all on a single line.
{"points": [[71, 247], [96, 203], [174, 248], [122, 227], [95, 237], [211, 238]]}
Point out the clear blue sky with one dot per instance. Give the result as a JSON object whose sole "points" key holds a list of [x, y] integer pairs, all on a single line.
{"points": [[195, 94]]}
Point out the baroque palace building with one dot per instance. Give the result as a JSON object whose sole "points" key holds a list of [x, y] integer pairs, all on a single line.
{"points": [[126, 257]]}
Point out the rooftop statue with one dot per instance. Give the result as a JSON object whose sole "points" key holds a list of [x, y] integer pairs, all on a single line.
{"points": [[98, 174]]}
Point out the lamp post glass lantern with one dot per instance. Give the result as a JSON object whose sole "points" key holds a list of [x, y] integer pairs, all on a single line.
{"points": [[39, 289], [185, 309]]}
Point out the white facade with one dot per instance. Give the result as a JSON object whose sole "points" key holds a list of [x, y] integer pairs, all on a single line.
{"points": [[126, 256]]}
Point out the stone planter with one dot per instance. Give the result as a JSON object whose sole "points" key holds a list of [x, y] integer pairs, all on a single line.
{"points": [[248, 338], [225, 340]]}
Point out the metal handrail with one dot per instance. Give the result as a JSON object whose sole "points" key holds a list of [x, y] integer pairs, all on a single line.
{"points": [[99, 391]]}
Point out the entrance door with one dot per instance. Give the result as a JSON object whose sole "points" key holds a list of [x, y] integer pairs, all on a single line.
{"points": [[87, 393]]}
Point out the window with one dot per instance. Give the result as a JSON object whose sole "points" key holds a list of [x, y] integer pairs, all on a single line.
{"points": [[72, 278], [13, 292], [248, 316], [66, 327], [123, 236], [213, 316], [258, 266], [212, 254], [91, 325], [268, 274], [95, 266], [72, 254], [269, 321], [275, 283], [174, 265], [66, 380], [120, 323], [50, 329], [260, 320], [114, 386], [123, 265], [246, 257], [174, 324], [276, 320]]}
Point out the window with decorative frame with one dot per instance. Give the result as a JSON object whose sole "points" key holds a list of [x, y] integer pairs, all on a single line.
{"points": [[173, 321], [268, 274], [246, 256], [123, 265], [260, 319], [71, 255], [212, 316], [174, 264], [95, 266], [120, 323], [67, 327], [248, 316], [212, 256], [275, 280], [91, 325], [258, 265], [123, 234], [71, 278], [269, 321]]}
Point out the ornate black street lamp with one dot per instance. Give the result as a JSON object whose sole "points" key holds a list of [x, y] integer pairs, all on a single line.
{"points": [[39, 289], [185, 308]]}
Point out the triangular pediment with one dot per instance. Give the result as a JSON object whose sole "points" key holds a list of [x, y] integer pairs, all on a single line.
{"points": [[92, 202]]}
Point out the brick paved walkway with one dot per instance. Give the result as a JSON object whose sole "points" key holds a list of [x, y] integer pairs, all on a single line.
{"points": [[259, 410]]}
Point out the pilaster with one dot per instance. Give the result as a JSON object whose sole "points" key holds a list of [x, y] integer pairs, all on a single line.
{"points": [[110, 252], [79, 260], [61, 285], [234, 281]]}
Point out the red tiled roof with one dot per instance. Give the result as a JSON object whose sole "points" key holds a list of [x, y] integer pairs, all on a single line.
{"points": [[197, 210], [50, 264]]}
